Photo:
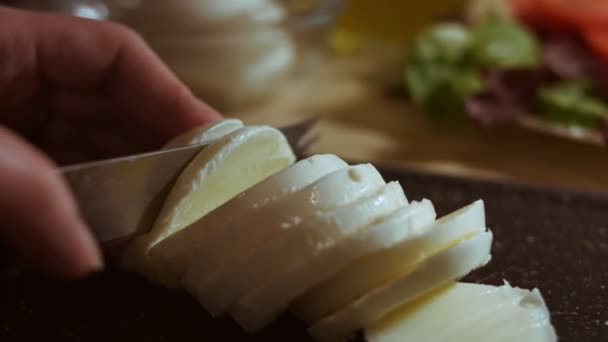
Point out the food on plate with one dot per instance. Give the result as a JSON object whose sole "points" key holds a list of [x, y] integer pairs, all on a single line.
{"points": [[461, 312], [560, 101], [539, 64], [252, 233]]}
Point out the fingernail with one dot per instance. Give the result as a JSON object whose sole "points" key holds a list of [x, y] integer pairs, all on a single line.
{"points": [[85, 248], [98, 265]]}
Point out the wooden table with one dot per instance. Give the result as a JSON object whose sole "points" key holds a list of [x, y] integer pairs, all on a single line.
{"points": [[364, 119]]}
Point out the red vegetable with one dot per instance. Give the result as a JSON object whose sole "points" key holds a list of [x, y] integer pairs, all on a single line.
{"points": [[533, 14], [562, 15], [598, 40], [582, 14]]}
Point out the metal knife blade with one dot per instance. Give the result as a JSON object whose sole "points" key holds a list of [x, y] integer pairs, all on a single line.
{"points": [[121, 197]]}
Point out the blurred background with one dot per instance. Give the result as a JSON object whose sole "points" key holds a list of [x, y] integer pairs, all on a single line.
{"points": [[277, 62]]}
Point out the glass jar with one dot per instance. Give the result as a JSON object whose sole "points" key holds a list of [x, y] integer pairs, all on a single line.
{"points": [[230, 52]]}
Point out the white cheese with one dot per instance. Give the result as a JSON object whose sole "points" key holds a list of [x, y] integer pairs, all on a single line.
{"points": [[435, 271], [227, 247], [468, 312], [312, 234], [281, 288], [216, 229], [232, 68], [382, 265], [205, 134], [186, 18], [218, 173]]}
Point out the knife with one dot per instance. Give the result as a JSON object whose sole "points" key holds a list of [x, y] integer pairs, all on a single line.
{"points": [[120, 197]]}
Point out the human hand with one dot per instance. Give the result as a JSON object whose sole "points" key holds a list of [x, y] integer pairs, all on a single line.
{"points": [[73, 90]]}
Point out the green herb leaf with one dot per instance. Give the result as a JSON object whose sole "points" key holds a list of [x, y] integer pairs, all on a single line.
{"points": [[572, 103], [447, 43], [441, 90], [504, 45]]}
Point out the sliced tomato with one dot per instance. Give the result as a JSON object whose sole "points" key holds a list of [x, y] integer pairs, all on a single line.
{"points": [[576, 13]]}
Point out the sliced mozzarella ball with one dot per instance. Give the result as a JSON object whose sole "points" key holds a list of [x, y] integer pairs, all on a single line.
{"points": [[468, 312], [233, 67], [225, 247], [215, 229], [280, 288], [314, 235], [218, 173], [205, 134], [230, 52], [177, 18], [382, 265], [261, 11], [310, 235], [435, 271]]}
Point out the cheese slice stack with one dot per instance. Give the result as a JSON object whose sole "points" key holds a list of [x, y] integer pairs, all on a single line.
{"points": [[251, 233], [205, 134], [224, 227], [449, 264], [314, 235], [389, 262], [234, 273], [221, 171], [460, 312], [218, 173], [281, 288]]}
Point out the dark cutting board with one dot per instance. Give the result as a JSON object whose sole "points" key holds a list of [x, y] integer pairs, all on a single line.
{"points": [[553, 239]]}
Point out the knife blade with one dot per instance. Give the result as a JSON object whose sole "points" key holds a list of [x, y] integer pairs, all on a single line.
{"points": [[120, 197]]}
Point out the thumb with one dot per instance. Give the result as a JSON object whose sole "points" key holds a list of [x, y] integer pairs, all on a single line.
{"points": [[38, 215]]}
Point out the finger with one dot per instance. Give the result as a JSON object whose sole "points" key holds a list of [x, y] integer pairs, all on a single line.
{"points": [[68, 154], [100, 112], [40, 218], [62, 132], [74, 142], [83, 54], [66, 142], [108, 144], [83, 108]]}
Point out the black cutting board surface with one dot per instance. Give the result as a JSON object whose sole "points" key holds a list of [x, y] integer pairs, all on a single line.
{"points": [[552, 239]]}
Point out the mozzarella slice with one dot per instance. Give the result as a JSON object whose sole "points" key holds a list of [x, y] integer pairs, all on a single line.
{"points": [[310, 235], [187, 18], [215, 230], [314, 235], [219, 172], [434, 272], [281, 288], [205, 134], [468, 312], [228, 246], [387, 263], [254, 63]]}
